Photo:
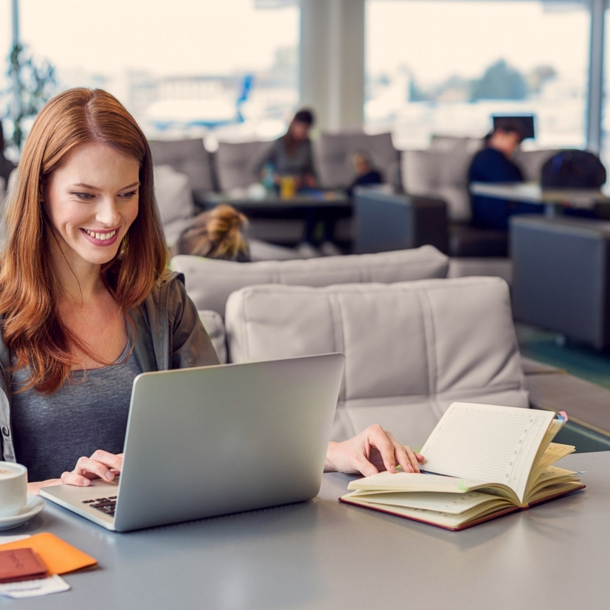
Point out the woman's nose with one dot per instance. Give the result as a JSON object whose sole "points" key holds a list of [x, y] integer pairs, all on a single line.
{"points": [[108, 214]]}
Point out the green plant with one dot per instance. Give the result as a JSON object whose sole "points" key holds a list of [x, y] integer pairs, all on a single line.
{"points": [[32, 84]]}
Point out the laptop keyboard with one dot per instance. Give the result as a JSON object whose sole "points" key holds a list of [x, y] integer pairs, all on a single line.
{"points": [[105, 505]]}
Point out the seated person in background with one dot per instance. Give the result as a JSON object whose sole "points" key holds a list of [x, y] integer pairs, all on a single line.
{"points": [[216, 234], [6, 167], [493, 164], [365, 173], [87, 302], [291, 155]]}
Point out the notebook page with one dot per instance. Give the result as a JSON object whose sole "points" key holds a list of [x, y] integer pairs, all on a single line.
{"points": [[487, 443], [453, 504]]}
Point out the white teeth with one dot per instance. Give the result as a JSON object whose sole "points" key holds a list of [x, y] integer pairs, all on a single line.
{"points": [[101, 236]]}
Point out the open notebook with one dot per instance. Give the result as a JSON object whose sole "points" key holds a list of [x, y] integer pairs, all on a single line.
{"points": [[483, 461]]}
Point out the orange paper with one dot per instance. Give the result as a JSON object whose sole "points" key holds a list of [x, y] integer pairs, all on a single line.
{"points": [[59, 556]]}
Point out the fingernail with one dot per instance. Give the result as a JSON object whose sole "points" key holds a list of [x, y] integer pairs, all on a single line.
{"points": [[86, 482], [109, 476]]}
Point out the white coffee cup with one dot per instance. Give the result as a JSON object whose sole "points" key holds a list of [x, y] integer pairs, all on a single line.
{"points": [[13, 488]]}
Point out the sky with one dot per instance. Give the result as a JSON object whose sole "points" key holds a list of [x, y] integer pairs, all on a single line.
{"points": [[435, 38]]}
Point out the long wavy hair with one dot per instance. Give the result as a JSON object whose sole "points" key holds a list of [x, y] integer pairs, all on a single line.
{"points": [[31, 326], [215, 234]]}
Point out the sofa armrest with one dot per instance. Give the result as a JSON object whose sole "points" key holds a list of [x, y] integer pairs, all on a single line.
{"points": [[396, 222]]}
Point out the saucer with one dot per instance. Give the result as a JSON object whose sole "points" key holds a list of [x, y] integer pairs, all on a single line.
{"points": [[33, 506]]}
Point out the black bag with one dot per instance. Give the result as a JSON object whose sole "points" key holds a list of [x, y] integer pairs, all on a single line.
{"points": [[576, 169]]}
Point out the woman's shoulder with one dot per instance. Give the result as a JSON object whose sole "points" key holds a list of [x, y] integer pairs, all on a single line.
{"points": [[170, 283]]}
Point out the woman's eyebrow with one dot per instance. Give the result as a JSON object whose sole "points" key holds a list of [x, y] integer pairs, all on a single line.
{"points": [[95, 188]]}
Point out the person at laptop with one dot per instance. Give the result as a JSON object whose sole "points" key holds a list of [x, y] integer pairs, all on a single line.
{"points": [[86, 301], [494, 164]]}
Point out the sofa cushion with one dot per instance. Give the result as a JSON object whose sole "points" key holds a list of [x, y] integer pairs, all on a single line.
{"points": [[236, 163], [442, 174], [334, 153], [187, 157], [210, 282], [174, 200], [411, 348], [212, 322]]}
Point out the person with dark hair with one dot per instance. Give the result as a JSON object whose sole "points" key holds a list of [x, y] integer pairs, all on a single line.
{"points": [[6, 167], [291, 155], [494, 164], [216, 234]]}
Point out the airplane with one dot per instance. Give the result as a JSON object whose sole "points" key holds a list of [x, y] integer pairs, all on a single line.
{"points": [[206, 113]]}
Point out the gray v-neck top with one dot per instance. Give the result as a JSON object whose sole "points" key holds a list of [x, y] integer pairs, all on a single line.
{"points": [[87, 413]]}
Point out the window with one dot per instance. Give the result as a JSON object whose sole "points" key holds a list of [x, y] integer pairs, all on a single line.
{"points": [[444, 67], [182, 68]]}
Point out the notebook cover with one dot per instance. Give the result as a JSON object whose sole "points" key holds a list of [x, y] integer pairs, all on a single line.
{"points": [[20, 564], [483, 519], [58, 556], [500, 513]]}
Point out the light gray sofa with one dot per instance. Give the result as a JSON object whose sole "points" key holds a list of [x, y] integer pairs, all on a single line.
{"points": [[189, 157], [210, 282], [413, 340], [236, 163], [175, 201], [411, 348]]}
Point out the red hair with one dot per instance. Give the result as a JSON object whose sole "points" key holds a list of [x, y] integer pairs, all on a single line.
{"points": [[31, 327]]}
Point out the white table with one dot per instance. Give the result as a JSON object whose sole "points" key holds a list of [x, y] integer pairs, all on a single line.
{"points": [[552, 199], [326, 555]]}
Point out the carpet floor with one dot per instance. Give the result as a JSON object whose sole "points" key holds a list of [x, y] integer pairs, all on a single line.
{"points": [[578, 359]]}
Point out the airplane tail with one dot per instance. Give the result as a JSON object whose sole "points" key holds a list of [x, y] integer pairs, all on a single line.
{"points": [[246, 88]]}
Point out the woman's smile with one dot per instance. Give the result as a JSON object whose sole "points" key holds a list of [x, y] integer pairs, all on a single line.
{"points": [[101, 238]]}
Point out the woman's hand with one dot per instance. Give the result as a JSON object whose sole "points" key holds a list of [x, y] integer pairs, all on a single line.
{"points": [[34, 488], [369, 452], [101, 465]]}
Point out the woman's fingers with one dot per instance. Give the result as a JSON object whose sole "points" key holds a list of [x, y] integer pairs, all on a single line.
{"points": [[392, 452], [71, 478], [372, 450], [101, 465], [380, 440]]}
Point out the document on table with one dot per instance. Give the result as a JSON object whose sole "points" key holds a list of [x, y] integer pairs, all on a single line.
{"points": [[31, 588]]}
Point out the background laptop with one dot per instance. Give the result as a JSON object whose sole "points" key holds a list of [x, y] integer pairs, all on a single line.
{"points": [[215, 440]]}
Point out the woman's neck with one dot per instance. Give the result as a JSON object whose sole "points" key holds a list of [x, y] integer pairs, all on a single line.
{"points": [[79, 281]]}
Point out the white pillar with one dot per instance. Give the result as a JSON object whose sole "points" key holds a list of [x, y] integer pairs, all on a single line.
{"points": [[332, 62]]}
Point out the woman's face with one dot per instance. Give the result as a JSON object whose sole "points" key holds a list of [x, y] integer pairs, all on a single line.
{"points": [[300, 130], [91, 201]]}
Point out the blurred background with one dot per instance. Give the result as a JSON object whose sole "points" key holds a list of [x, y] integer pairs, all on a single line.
{"points": [[236, 69]]}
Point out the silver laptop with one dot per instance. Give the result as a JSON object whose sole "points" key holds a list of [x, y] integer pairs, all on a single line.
{"points": [[211, 441]]}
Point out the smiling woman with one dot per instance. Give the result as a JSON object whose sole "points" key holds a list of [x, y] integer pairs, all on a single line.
{"points": [[87, 304]]}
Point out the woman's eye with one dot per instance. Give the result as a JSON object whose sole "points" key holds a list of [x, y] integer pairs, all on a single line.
{"points": [[128, 195], [84, 196]]}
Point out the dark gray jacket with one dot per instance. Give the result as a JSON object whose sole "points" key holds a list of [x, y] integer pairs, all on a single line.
{"points": [[169, 335]]}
